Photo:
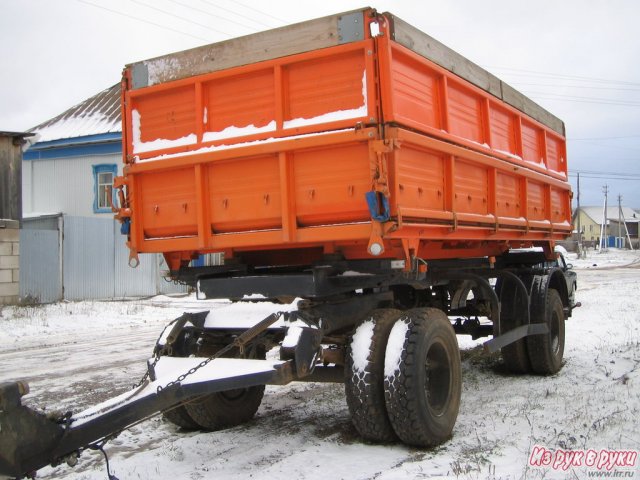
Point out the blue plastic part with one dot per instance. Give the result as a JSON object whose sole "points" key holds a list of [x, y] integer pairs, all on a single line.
{"points": [[125, 227], [198, 262], [378, 206]]}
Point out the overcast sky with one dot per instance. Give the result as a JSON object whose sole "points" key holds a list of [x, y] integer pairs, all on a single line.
{"points": [[577, 58]]}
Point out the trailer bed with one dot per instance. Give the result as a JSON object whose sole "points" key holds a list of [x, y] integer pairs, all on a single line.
{"points": [[362, 139]]}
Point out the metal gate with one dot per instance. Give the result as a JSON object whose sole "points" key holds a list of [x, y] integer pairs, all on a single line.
{"points": [[40, 266], [89, 261]]}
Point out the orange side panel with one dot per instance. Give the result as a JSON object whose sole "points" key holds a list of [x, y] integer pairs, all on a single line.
{"points": [[435, 182], [531, 144], [239, 101], [415, 93], [328, 89], [169, 203], [508, 195], [536, 201], [503, 130], [419, 179], [330, 185], [470, 184], [245, 195], [464, 113], [327, 84], [168, 115], [421, 95]]}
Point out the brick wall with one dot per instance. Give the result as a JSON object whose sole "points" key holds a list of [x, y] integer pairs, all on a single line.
{"points": [[9, 261]]}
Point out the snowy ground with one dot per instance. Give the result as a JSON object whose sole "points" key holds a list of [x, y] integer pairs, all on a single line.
{"points": [[76, 354]]}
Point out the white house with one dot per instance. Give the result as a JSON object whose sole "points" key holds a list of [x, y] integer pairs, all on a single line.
{"points": [[71, 245], [70, 167]]}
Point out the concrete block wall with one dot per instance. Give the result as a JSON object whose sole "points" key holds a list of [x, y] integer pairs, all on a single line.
{"points": [[9, 262]]}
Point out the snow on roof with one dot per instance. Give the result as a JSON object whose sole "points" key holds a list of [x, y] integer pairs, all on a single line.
{"points": [[96, 115], [595, 213]]}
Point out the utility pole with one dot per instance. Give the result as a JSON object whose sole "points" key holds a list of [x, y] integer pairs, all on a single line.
{"points": [[603, 228], [624, 221], [619, 220]]}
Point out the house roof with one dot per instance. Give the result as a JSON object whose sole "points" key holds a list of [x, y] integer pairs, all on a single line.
{"points": [[16, 134], [97, 115], [595, 213]]}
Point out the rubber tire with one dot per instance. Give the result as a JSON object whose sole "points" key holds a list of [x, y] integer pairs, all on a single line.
{"points": [[415, 418], [546, 351], [225, 409], [181, 418], [514, 355], [364, 389]]}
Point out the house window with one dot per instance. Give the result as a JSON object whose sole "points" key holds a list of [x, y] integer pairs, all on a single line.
{"points": [[103, 176]]}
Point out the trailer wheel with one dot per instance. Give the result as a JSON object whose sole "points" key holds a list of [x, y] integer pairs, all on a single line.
{"points": [[225, 409], [512, 315], [181, 418], [423, 377], [546, 351], [229, 408], [364, 376]]}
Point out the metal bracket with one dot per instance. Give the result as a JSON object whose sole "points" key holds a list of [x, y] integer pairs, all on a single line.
{"points": [[139, 75], [514, 335], [350, 28]]}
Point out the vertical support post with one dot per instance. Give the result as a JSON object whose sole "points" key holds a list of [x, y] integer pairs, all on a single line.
{"points": [[543, 148], [279, 97], [287, 195], [202, 196], [444, 106], [492, 182], [486, 121], [200, 120], [517, 130], [449, 174]]}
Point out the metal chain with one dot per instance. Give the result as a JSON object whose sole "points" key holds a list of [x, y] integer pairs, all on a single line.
{"points": [[157, 352], [191, 371]]}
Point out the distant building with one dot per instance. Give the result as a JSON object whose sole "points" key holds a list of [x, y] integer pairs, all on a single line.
{"points": [[10, 214], [590, 220], [71, 246], [70, 167]]}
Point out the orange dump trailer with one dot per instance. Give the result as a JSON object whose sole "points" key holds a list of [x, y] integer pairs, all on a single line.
{"points": [[353, 134], [361, 166]]}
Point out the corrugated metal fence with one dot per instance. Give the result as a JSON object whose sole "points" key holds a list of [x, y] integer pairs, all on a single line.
{"points": [[92, 263], [40, 266]]}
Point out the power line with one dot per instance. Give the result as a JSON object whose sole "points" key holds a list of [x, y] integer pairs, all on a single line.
{"points": [[603, 138], [619, 147], [217, 16], [558, 75], [567, 98], [254, 9], [246, 17], [615, 177], [558, 85], [182, 18], [560, 95], [143, 20]]}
